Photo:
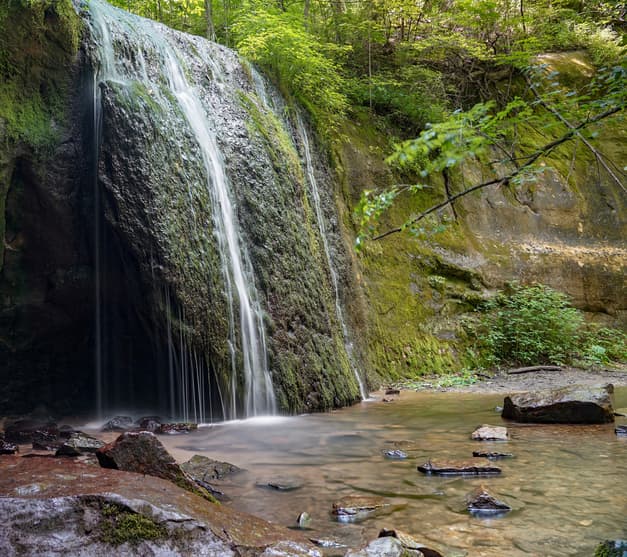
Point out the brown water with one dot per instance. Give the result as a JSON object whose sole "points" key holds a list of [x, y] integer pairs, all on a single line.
{"points": [[567, 484]]}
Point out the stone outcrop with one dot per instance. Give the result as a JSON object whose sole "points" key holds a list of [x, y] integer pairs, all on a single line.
{"points": [[61, 507], [568, 405]]}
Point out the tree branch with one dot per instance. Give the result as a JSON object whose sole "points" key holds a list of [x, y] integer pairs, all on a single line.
{"points": [[541, 152]]}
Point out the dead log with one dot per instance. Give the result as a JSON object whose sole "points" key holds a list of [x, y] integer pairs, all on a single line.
{"points": [[534, 368]]}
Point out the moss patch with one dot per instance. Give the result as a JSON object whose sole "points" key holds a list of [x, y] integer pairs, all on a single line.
{"points": [[119, 525]]}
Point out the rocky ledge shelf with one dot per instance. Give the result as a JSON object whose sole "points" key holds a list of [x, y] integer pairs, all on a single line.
{"points": [[62, 507]]}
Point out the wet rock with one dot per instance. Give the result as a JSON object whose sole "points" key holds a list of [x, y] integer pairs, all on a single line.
{"points": [[490, 433], [79, 443], [7, 448], [205, 469], [65, 431], [384, 547], [46, 441], [326, 543], [621, 430], [143, 453], [357, 506], [177, 428], [118, 423], [611, 548], [568, 405], [458, 468], [480, 501], [27, 431], [304, 520], [61, 507], [149, 423], [492, 455], [409, 542], [395, 454], [281, 483]]}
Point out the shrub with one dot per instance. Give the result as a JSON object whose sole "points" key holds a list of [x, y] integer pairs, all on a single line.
{"points": [[531, 325]]}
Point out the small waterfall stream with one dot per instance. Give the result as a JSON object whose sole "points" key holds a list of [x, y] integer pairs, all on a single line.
{"points": [[248, 348]]}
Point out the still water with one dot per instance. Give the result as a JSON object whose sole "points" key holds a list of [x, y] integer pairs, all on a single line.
{"points": [[567, 484]]}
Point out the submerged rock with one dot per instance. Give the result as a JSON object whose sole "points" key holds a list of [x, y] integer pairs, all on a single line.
{"points": [[480, 501], [492, 455], [458, 468], [206, 469], [143, 453], [568, 405], [384, 547], [357, 506], [409, 542], [490, 433], [281, 483], [621, 430]]}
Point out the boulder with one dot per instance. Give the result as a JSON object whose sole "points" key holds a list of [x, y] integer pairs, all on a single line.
{"points": [[480, 501], [490, 433], [409, 542], [458, 468], [149, 423], [491, 455], [177, 428], [59, 507], [568, 405], [79, 443], [7, 448], [118, 423], [46, 440], [143, 453], [27, 431], [202, 468]]}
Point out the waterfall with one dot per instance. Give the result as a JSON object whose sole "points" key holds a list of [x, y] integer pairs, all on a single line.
{"points": [[315, 194], [247, 343]]}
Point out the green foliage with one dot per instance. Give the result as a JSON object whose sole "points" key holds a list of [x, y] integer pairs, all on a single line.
{"points": [[462, 379], [531, 325], [302, 64], [601, 346], [121, 525]]}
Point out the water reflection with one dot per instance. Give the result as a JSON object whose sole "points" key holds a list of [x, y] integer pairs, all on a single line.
{"points": [[567, 484]]}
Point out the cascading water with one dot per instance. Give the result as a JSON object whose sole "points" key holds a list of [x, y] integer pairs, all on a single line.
{"points": [[248, 348], [315, 194]]}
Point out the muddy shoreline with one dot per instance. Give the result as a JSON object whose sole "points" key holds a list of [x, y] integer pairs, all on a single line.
{"points": [[502, 382]]}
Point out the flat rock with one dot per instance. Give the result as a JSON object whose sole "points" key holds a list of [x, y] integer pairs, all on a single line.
{"points": [[354, 505], [480, 501], [395, 454], [143, 453], [79, 443], [281, 483], [568, 405], [205, 469], [491, 455], [409, 542], [490, 433], [458, 468], [621, 430], [54, 506]]}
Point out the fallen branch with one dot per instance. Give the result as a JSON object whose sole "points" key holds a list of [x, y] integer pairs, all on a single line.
{"points": [[534, 368]]}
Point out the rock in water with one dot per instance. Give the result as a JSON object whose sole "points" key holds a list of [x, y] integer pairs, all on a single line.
{"points": [[458, 468], [480, 501], [568, 405], [207, 470], [492, 455], [356, 506], [303, 520], [143, 453], [395, 454], [490, 433], [384, 547], [281, 483], [409, 542], [7, 448], [119, 423], [621, 430]]}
